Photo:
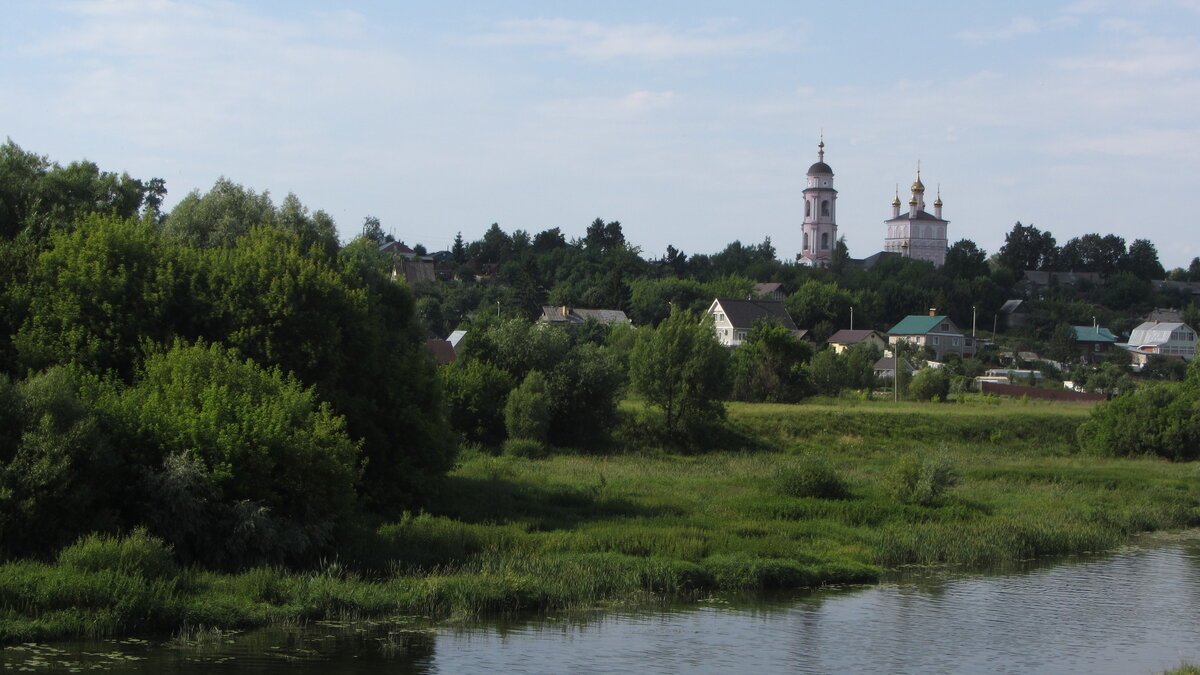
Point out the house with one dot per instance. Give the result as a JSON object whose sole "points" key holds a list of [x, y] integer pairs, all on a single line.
{"points": [[1014, 313], [1157, 337], [885, 368], [1040, 278], [1093, 342], [733, 319], [769, 291], [938, 333], [399, 249], [845, 339], [408, 263], [571, 316]]}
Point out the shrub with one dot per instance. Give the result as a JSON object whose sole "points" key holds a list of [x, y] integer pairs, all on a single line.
{"points": [[527, 411], [917, 480], [524, 447], [929, 384], [812, 479], [136, 554]]}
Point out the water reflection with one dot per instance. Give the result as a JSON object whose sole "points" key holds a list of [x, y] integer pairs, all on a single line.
{"points": [[1132, 612]]}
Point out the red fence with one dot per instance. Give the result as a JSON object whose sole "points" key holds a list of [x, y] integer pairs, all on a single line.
{"points": [[1038, 392]]}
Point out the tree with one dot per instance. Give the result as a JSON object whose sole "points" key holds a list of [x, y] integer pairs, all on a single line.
{"points": [[680, 368], [827, 373], [769, 365], [372, 229], [1159, 419], [965, 260], [1027, 248], [218, 217], [1063, 343], [1142, 260]]}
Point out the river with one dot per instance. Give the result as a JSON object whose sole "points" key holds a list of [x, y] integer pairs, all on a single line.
{"points": [[1134, 611]]}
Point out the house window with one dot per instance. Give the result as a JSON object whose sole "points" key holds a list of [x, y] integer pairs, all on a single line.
{"points": [[720, 316], [954, 342], [741, 335], [935, 339]]}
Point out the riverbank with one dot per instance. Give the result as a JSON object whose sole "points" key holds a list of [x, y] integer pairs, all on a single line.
{"points": [[838, 493]]}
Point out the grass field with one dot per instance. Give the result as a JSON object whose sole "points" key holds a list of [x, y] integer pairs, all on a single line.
{"points": [[831, 493]]}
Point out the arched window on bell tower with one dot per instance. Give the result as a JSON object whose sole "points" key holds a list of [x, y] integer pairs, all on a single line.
{"points": [[824, 241], [825, 208], [807, 208]]}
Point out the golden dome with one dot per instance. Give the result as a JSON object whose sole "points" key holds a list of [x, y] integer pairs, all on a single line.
{"points": [[896, 201], [939, 197], [917, 185]]}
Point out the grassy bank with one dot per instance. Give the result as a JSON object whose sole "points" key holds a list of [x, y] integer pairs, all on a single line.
{"points": [[842, 492]]}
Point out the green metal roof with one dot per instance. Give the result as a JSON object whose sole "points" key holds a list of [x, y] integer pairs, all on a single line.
{"points": [[1090, 334], [917, 324]]}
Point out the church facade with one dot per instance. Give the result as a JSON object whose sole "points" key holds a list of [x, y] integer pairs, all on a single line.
{"points": [[917, 233]]}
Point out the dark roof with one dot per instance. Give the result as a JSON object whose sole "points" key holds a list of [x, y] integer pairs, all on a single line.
{"points": [[849, 337], [820, 167], [921, 215], [442, 351], [743, 313], [873, 259], [767, 288]]}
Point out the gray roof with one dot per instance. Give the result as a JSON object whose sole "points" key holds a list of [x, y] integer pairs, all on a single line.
{"points": [[559, 314], [455, 337], [743, 313], [851, 337], [1013, 306], [1154, 332], [820, 167], [921, 215]]}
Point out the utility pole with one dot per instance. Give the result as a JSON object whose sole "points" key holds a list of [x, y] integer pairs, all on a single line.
{"points": [[851, 318], [972, 322]]}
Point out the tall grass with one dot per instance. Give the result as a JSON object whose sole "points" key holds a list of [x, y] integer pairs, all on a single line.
{"points": [[512, 534]]}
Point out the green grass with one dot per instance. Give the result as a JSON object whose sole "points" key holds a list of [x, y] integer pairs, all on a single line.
{"points": [[826, 499]]}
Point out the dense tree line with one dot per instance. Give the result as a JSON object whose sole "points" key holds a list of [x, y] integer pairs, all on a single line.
{"points": [[229, 359]]}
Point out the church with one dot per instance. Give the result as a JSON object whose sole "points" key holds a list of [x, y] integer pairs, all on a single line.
{"points": [[914, 234]]}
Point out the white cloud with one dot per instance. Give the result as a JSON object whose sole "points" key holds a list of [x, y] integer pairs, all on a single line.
{"points": [[1149, 56], [1019, 26], [599, 41]]}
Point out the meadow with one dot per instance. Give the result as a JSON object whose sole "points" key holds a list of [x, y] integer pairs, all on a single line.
{"points": [[832, 492]]}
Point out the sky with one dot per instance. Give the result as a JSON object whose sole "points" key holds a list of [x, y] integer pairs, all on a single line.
{"points": [[691, 122]]}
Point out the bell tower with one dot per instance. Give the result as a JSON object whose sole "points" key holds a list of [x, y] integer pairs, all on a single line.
{"points": [[819, 227]]}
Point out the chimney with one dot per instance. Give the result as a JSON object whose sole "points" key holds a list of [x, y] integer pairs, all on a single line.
{"points": [[566, 311], [933, 311]]}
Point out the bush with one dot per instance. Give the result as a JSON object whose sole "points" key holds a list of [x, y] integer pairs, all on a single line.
{"points": [[929, 384], [1161, 419], [268, 468], [524, 447], [812, 479], [916, 480], [136, 554], [527, 411]]}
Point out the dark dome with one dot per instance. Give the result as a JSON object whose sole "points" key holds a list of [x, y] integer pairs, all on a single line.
{"points": [[820, 167]]}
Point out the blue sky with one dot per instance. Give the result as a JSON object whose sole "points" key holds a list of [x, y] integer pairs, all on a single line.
{"points": [[690, 122]]}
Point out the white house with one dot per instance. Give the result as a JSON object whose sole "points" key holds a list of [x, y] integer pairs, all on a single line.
{"points": [[1164, 338], [733, 319]]}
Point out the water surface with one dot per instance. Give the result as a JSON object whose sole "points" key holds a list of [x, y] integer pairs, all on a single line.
{"points": [[1135, 611]]}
